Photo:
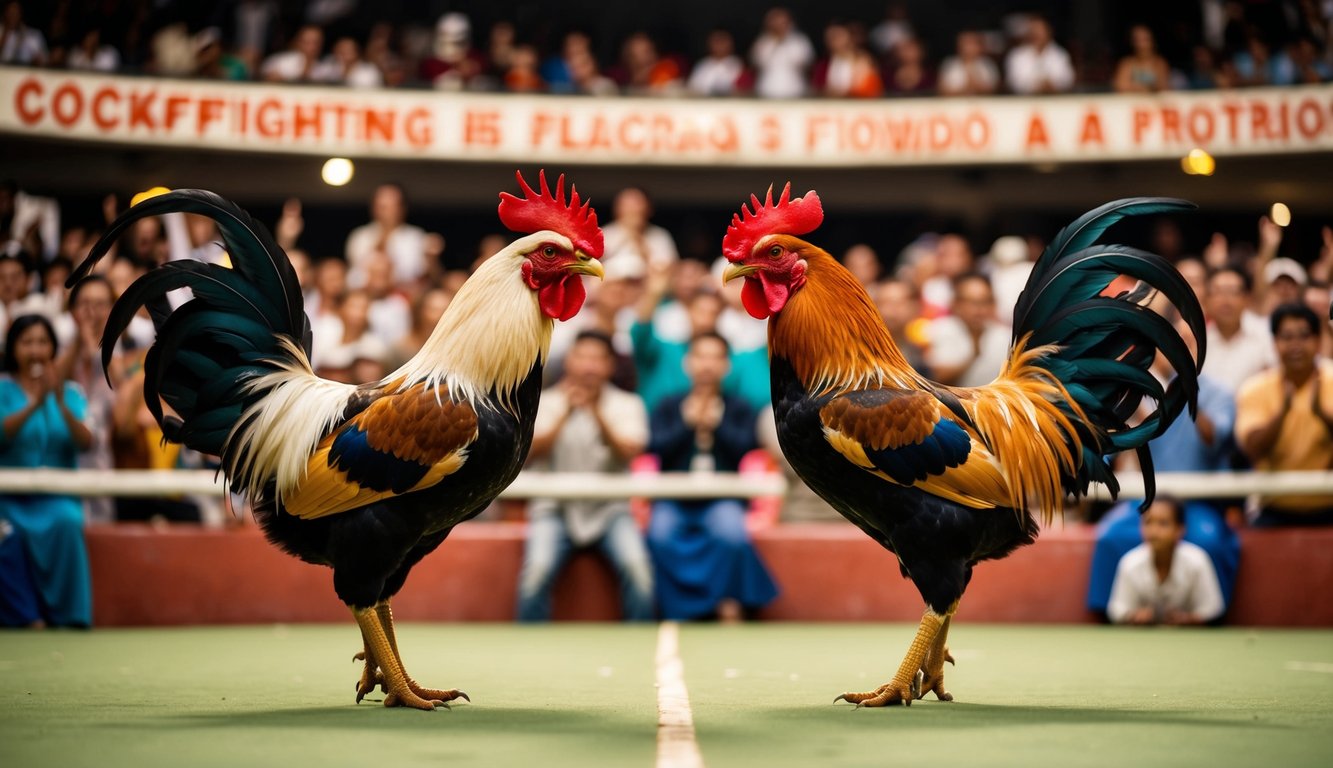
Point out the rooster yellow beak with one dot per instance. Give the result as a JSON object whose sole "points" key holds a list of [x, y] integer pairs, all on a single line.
{"points": [[734, 271], [586, 265]]}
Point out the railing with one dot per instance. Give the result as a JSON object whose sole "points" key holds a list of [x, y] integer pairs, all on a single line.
{"points": [[578, 485]]}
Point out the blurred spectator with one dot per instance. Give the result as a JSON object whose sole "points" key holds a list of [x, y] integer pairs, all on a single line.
{"points": [[586, 79], [1207, 71], [557, 72], [899, 304], [426, 313], [19, 43], [453, 63], [500, 46], [90, 305], [660, 361], [1008, 266], [28, 222], [642, 70], [631, 231], [16, 295], [1039, 64], [1239, 342], [388, 231], [969, 72], [1165, 580], [893, 29], [1196, 275], [300, 63], [1284, 416], [718, 73], [862, 261], [43, 427], [848, 70], [1306, 65], [952, 258], [1285, 280], [380, 52], [910, 75], [704, 562], [253, 24], [91, 54], [345, 65], [1143, 70], [522, 75], [137, 443], [1255, 64], [584, 424], [212, 61], [390, 312], [970, 346], [330, 283], [1201, 444], [689, 278], [781, 55]]}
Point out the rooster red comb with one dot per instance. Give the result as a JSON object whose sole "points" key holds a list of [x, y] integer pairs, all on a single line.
{"points": [[535, 212], [787, 217]]}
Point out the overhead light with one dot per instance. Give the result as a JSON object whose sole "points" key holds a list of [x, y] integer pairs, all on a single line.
{"points": [[1198, 163], [337, 171], [1280, 214]]}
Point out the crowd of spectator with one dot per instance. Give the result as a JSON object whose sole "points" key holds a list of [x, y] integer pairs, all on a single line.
{"points": [[664, 361], [1232, 44]]}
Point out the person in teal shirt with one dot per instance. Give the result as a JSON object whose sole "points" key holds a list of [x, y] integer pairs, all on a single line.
{"points": [[43, 427], [659, 361]]}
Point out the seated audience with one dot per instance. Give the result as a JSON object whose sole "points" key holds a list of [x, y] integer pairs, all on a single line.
{"points": [[1039, 64], [42, 427], [1143, 70], [970, 346], [1284, 416], [1165, 580], [969, 72], [704, 562], [584, 424]]}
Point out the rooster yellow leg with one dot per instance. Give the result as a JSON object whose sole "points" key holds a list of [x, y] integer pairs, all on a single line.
{"points": [[385, 612], [931, 677], [395, 679], [900, 690]]}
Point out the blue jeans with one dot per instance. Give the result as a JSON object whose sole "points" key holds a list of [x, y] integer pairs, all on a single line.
{"points": [[548, 547]]}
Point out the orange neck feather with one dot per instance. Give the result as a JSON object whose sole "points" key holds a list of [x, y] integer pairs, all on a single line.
{"points": [[832, 334]]}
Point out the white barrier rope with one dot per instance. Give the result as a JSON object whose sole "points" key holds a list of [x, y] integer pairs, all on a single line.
{"points": [[557, 485], [668, 485]]}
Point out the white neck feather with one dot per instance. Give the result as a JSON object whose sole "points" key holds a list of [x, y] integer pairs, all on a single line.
{"points": [[491, 333]]}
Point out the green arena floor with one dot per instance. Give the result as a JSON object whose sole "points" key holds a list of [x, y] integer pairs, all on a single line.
{"points": [[580, 694]]}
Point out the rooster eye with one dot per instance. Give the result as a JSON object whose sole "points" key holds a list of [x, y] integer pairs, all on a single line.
{"points": [[548, 251], [775, 250]]}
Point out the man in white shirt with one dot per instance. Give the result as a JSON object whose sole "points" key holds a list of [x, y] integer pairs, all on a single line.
{"points": [[584, 424], [718, 73], [969, 347], [19, 43], [1239, 342], [300, 63], [1040, 65], [631, 232], [970, 72], [1165, 580], [388, 231], [781, 56]]}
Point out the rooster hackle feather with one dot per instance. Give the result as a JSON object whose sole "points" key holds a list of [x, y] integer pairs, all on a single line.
{"points": [[364, 479], [944, 477]]}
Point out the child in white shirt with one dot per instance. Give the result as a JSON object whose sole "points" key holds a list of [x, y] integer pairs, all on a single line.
{"points": [[1165, 580]]}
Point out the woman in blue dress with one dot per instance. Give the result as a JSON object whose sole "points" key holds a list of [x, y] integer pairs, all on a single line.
{"points": [[704, 562], [42, 427]]}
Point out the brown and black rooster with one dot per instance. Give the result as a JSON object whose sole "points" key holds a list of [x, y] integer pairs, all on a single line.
{"points": [[365, 479], [944, 476]]}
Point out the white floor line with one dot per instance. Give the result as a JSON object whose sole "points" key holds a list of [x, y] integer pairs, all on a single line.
{"points": [[676, 747]]}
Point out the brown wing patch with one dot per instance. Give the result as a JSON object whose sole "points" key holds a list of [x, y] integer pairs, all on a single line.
{"points": [[884, 418], [411, 426], [415, 425]]}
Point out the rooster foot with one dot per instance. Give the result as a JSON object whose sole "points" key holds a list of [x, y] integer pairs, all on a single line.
{"points": [[930, 678], [423, 698], [889, 694], [371, 677]]}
